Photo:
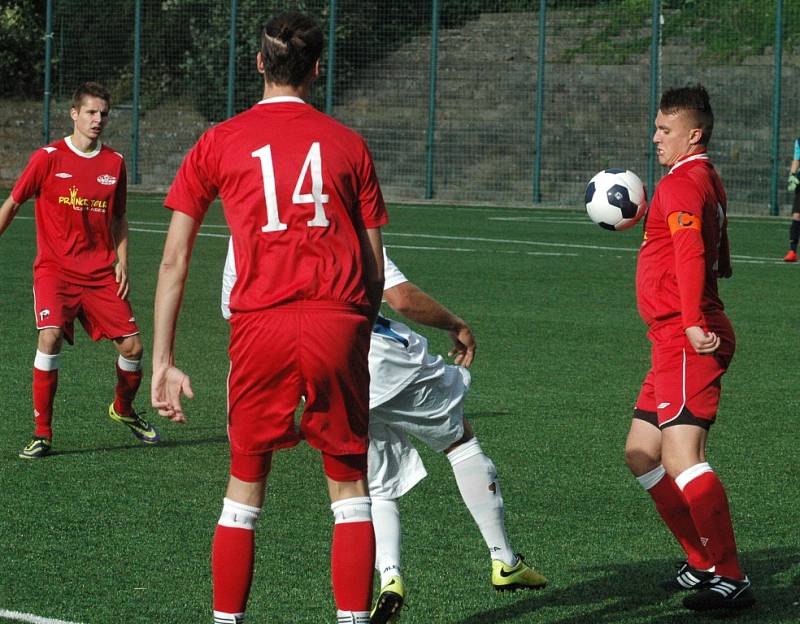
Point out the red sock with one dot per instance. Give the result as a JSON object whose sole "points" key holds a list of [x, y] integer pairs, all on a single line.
{"points": [[44, 392], [232, 567], [352, 554], [128, 383], [708, 505], [672, 507]]}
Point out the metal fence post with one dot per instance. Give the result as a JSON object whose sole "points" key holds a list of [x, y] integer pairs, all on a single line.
{"points": [[654, 45], [776, 107], [331, 65], [541, 64], [231, 61], [137, 79], [432, 100], [48, 70]]}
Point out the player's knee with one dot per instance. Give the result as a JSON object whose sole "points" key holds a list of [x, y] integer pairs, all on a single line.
{"points": [[50, 340], [641, 460], [466, 437], [131, 348]]}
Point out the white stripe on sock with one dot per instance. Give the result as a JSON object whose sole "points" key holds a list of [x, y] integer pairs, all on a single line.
{"points": [[129, 366], [692, 473], [650, 479], [356, 509], [45, 361]]}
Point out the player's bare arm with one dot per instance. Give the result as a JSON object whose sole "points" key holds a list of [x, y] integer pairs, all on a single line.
{"points": [[415, 304], [119, 230], [169, 382], [7, 213], [372, 253]]}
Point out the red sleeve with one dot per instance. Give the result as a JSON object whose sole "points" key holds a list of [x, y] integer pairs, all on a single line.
{"points": [[121, 194], [370, 198], [30, 181], [690, 265], [196, 183]]}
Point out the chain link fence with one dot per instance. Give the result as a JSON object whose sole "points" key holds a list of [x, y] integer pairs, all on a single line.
{"points": [[459, 101]]}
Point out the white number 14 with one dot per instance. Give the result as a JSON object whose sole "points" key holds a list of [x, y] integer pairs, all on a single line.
{"points": [[316, 197]]}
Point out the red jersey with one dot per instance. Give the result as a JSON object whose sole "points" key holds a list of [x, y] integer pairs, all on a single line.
{"points": [[685, 245], [297, 188], [77, 195]]}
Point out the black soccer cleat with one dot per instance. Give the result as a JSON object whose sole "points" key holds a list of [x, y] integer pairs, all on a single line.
{"points": [[687, 578], [721, 592]]}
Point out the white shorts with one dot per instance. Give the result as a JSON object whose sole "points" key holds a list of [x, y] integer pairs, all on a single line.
{"points": [[431, 409]]}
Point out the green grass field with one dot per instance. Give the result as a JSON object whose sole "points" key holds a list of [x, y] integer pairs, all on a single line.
{"points": [[108, 531]]}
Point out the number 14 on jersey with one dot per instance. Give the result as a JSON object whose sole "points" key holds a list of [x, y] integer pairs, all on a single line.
{"points": [[314, 163]]}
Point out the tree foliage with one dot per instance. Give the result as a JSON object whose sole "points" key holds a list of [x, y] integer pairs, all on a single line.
{"points": [[21, 48], [185, 43]]}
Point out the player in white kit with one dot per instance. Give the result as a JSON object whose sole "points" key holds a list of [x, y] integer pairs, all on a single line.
{"points": [[416, 394]]}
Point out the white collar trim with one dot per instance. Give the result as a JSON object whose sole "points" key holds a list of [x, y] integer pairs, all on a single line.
{"points": [[92, 154], [280, 99], [700, 156]]}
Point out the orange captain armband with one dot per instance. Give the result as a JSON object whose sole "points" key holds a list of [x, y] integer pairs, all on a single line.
{"points": [[679, 221]]}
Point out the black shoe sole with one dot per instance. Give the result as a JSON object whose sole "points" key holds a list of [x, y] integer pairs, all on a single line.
{"points": [[389, 603], [744, 601]]}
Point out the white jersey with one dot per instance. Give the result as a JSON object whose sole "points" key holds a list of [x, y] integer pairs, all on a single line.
{"points": [[397, 353]]}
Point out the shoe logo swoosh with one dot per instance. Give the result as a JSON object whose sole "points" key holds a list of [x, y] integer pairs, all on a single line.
{"points": [[505, 574]]}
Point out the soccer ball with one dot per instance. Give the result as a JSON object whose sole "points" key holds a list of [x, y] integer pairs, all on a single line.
{"points": [[615, 199]]}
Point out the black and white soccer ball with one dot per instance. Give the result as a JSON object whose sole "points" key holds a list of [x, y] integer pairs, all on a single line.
{"points": [[615, 199]]}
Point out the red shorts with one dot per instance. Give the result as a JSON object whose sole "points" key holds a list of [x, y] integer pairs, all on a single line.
{"points": [[282, 355], [57, 303], [683, 387]]}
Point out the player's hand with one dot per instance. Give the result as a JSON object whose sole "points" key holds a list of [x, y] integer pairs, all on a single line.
{"points": [[702, 342], [165, 392], [121, 275], [463, 346], [793, 182]]}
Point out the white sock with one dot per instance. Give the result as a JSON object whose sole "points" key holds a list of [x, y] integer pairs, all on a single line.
{"points": [[476, 477], [386, 523], [238, 515], [352, 617], [220, 617], [130, 366], [46, 361]]}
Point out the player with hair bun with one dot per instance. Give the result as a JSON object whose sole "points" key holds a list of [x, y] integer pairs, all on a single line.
{"points": [[304, 207]]}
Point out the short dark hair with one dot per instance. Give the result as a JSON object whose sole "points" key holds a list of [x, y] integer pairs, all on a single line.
{"points": [[694, 100], [291, 43], [90, 89]]}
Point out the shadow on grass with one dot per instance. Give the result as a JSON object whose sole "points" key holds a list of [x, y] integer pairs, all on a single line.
{"points": [[628, 593], [134, 446]]}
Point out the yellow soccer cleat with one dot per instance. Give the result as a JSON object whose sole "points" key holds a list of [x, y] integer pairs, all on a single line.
{"points": [[37, 448], [519, 576], [390, 601], [139, 426]]}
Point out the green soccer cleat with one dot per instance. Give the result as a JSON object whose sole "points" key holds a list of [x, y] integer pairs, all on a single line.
{"points": [[138, 425], [37, 448], [519, 576], [390, 601]]}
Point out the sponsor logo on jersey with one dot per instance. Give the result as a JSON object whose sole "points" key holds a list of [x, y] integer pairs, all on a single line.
{"points": [[132, 319], [107, 180], [663, 405], [82, 203], [43, 314], [62, 174]]}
